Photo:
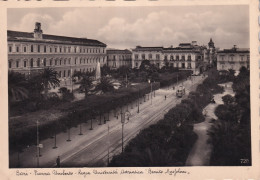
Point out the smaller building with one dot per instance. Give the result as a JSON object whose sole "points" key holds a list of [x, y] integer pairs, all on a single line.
{"points": [[233, 58], [117, 58]]}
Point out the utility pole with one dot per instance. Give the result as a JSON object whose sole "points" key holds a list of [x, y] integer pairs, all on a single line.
{"points": [[138, 110], [108, 144], [38, 148]]}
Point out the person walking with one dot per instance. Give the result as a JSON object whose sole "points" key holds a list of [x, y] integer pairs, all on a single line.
{"points": [[165, 97], [58, 161]]}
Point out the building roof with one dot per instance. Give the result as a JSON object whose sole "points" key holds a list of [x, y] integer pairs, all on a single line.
{"points": [[118, 51], [29, 37], [234, 50], [140, 48]]}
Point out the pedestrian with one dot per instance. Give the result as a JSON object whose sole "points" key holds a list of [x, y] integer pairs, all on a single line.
{"points": [[58, 161], [165, 97]]}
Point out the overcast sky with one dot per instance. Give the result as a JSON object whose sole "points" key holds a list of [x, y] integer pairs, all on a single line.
{"points": [[126, 27]]}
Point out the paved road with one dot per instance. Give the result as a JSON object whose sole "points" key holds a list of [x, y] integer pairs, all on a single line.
{"points": [[91, 148]]}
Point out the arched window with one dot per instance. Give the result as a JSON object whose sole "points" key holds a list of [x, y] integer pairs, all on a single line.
{"points": [[31, 48], [10, 64], [50, 62], [24, 63], [60, 62]]}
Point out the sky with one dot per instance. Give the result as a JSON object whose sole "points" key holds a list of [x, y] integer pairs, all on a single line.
{"points": [[127, 27]]}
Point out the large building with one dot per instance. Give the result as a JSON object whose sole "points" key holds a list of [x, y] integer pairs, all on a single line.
{"points": [[29, 52], [233, 58], [187, 56], [117, 58]]}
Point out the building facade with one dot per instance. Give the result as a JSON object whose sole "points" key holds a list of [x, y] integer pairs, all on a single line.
{"points": [[117, 58], [153, 54], [31, 52], [233, 58], [187, 56]]}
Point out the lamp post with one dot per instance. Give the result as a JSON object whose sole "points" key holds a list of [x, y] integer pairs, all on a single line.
{"points": [[80, 130], [138, 110], [108, 145], [54, 147], [149, 81], [123, 121], [38, 148]]}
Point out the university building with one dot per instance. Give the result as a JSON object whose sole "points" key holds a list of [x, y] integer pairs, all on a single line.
{"points": [[29, 52], [187, 56], [117, 58], [233, 58]]}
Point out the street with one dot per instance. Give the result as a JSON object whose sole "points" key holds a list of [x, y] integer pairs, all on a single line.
{"points": [[91, 149]]}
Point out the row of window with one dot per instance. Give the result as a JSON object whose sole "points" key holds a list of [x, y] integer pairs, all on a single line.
{"points": [[179, 65], [232, 57], [157, 56], [54, 49], [67, 73], [54, 62]]}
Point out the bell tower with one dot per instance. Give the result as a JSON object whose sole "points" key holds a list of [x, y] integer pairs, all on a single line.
{"points": [[38, 31]]}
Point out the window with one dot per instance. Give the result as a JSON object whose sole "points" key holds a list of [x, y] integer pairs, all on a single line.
{"points": [[189, 58], [60, 62], [59, 73], [136, 64], [39, 48], [68, 73], [143, 56], [44, 62], [50, 49], [177, 57], [64, 49], [75, 60], [69, 60], [103, 59], [38, 62], [31, 48], [51, 62], [80, 50], [17, 64], [64, 73], [56, 50], [65, 61], [24, 64], [165, 57], [45, 49], [87, 60], [241, 58], [60, 49], [171, 57], [31, 62], [17, 49], [182, 58], [56, 62], [69, 49], [150, 56], [75, 50], [157, 56], [84, 61], [189, 66], [24, 49], [10, 64]]}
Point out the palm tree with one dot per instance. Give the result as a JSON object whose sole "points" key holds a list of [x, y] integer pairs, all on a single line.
{"points": [[105, 85], [17, 86], [49, 78], [86, 82]]}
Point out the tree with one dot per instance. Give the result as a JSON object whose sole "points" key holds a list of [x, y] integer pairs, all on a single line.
{"points": [[17, 86], [49, 78], [66, 94], [86, 82], [105, 70], [104, 85], [228, 99]]}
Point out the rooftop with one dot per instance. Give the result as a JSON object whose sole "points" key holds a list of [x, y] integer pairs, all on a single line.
{"points": [[29, 37]]}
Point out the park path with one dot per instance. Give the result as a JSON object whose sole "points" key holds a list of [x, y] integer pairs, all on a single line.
{"points": [[201, 150]]}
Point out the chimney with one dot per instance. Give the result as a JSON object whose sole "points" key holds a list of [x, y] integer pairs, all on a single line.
{"points": [[38, 31]]}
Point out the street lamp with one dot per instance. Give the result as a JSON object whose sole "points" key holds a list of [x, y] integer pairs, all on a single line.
{"points": [[123, 121], [138, 110], [149, 81]]}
